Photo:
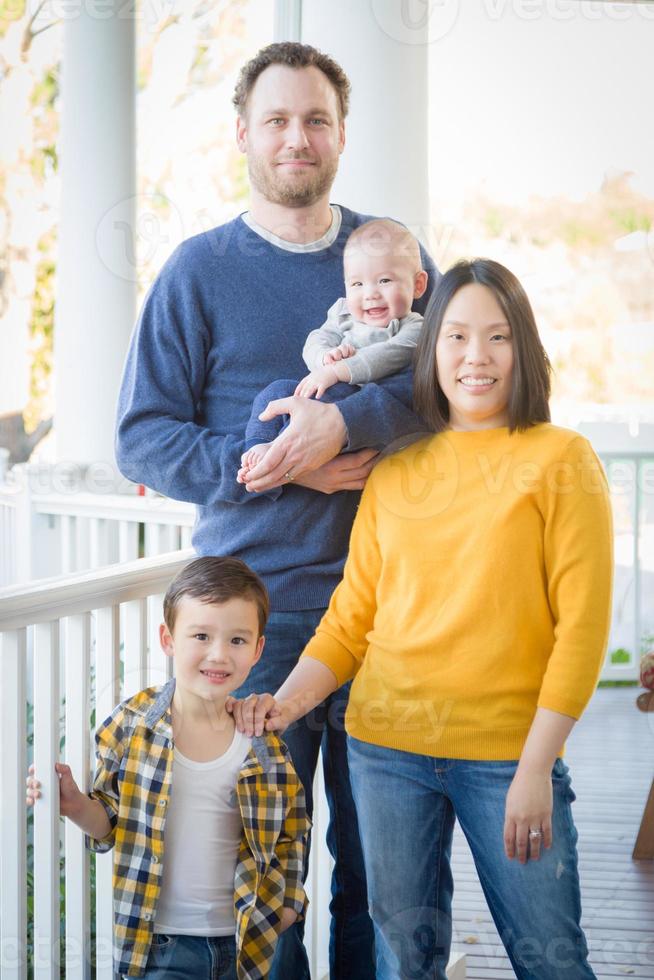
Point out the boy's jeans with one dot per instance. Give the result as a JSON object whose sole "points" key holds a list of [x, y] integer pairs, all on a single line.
{"points": [[200, 957], [351, 955], [407, 804]]}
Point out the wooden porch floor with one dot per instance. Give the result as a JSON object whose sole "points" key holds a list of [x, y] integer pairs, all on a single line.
{"points": [[611, 758]]}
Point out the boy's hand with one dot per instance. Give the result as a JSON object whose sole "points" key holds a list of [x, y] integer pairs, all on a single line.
{"points": [[258, 713], [317, 382], [289, 916], [70, 795], [338, 353]]}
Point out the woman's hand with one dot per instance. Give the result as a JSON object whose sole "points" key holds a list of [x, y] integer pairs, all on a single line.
{"points": [[528, 809], [258, 713]]}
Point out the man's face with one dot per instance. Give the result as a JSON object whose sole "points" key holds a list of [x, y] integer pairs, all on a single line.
{"points": [[292, 135]]}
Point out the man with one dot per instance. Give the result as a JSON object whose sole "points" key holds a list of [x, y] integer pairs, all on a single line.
{"points": [[228, 314]]}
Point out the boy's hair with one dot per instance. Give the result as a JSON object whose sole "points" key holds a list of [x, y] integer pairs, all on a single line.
{"points": [[215, 580], [383, 235], [293, 55], [530, 385]]}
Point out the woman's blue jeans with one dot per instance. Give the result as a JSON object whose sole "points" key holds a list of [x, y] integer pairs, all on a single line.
{"points": [[351, 947], [406, 805]]}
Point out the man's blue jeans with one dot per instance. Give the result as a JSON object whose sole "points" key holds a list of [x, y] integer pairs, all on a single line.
{"points": [[406, 805], [351, 947]]}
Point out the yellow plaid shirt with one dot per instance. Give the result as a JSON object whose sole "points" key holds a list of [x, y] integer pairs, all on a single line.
{"points": [[134, 749]]}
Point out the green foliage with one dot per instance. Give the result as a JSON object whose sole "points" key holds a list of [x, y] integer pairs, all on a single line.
{"points": [[41, 328], [629, 220], [620, 656]]}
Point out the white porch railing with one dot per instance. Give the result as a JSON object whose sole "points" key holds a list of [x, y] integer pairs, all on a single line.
{"points": [[71, 649], [54, 532], [46, 532]]}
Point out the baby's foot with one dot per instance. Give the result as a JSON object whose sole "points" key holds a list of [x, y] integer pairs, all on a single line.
{"points": [[250, 458]]}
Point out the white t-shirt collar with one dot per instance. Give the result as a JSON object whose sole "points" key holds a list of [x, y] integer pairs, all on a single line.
{"points": [[325, 241]]}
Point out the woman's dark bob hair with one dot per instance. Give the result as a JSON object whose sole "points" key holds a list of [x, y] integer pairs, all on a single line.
{"points": [[530, 387]]}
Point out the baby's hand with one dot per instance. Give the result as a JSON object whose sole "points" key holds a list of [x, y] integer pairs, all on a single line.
{"points": [[70, 795], [338, 353], [317, 382], [250, 458]]}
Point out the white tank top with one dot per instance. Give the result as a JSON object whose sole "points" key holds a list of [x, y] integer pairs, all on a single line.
{"points": [[201, 842]]}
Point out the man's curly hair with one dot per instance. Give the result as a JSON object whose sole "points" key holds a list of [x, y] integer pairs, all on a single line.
{"points": [[294, 55]]}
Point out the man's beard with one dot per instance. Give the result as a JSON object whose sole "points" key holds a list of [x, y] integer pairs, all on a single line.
{"points": [[287, 191]]}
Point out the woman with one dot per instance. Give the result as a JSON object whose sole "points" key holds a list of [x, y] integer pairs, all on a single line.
{"points": [[473, 616]]}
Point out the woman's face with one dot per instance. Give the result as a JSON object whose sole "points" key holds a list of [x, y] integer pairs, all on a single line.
{"points": [[474, 359]]}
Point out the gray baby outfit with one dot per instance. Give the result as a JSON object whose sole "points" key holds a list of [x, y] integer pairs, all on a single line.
{"points": [[380, 351]]}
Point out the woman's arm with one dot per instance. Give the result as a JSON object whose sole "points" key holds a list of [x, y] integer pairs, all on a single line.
{"points": [[578, 563], [309, 683], [529, 800]]}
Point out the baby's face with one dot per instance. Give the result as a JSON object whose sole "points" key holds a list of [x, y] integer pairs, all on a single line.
{"points": [[379, 287]]}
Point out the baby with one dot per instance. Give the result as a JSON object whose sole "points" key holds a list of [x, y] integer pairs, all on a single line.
{"points": [[368, 334]]}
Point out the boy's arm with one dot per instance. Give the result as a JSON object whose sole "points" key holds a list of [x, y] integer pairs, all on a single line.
{"points": [[386, 357], [89, 815], [292, 845], [108, 739]]}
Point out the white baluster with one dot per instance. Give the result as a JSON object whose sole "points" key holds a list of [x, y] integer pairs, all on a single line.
{"points": [[68, 539], [13, 770], [128, 541], [107, 683], [159, 665], [136, 642], [46, 812], [77, 652]]}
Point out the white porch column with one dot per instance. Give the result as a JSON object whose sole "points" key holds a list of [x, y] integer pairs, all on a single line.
{"points": [[96, 268], [382, 45]]}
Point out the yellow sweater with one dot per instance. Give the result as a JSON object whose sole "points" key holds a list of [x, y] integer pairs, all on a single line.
{"points": [[478, 586]]}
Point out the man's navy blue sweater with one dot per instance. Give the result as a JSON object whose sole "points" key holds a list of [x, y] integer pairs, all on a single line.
{"points": [[228, 314]]}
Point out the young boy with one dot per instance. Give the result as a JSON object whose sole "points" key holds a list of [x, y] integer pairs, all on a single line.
{"points": [[207, 876], [369, 334]]}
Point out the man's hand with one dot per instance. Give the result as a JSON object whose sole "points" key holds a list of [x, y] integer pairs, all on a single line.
{"points": [[315, 434], [347, 472]]}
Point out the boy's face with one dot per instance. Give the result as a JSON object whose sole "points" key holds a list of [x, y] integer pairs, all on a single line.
{"points": [[214, 646], [380, 286]]}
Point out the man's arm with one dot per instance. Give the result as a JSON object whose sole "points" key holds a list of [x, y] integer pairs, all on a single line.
{"points": [[377, 416], [158, 440]]}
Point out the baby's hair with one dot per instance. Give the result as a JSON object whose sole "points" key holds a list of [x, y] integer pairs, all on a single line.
{"points": [[216, 580], [383, 235]]}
